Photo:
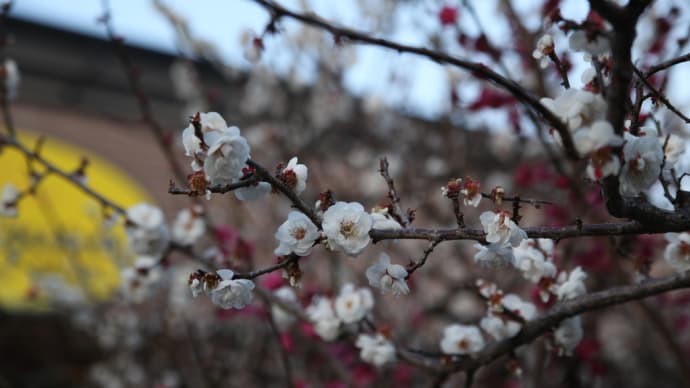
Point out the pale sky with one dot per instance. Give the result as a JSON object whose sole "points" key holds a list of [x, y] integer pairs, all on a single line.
{"points": [[222, 22]]}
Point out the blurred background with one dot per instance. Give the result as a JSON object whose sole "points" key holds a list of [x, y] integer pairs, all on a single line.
{"points": [[66, 321]]}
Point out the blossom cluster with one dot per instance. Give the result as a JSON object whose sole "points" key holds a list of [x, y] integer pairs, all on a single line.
{"points": [[329, 316], [150, 239], [225, 291]]}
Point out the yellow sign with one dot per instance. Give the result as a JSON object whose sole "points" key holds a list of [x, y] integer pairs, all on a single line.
{"points": [[60, 248]]}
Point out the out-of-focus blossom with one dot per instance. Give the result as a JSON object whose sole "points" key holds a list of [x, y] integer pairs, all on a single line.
{"points": [[677, 252], [322, 315], [568, 335], [388, 277], [352, 304], [8, 202], [147, 232], [461, 339], [375, 349], [188, 226]]}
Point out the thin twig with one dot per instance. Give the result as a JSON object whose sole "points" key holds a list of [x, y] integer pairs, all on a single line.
{"points": [[278, 185], [659, 95], [478, 69], [550, 232], [537, 327], [53, 169], [218, 189], [666, 64], [392, 193], [417, 264]]}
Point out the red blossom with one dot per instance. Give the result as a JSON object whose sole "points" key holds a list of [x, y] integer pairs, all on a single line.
{"points": [[448, 15], [596, 259], [491, 98], [287, 342], [272, 281]]}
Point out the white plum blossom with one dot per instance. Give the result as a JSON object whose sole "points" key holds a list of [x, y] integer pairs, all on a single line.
{"points": [[296, 235], [388, 277], [602, 163], [221, 151], [140, 280], [226, 157], [8, 202], [588, 75], [295, 175], [643, 157], [572, 285], [533, 263], [322, 315], [568, 335], [232, 293], [596, 45], [599, 134], [505, 327], [577, 108], [383, 220], [254, 192], [461, 339], [212, 124], [252, 46], [494, 254], [677, 252], [500, 229], [283, 319], [188, 226], [375, 349], [472, 195], [352, 304], [147, 232], [196, 286], [545, 47], [347, 227], [675, 148]]}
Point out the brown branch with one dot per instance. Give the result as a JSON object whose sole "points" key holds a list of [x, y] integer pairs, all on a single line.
{"points": [[659, 95], [280, 186], [478, 69], [534, 202], [4, 97], [547, 322], [392, 193], [53, 169], [666, 64], [256, 273], [143, 102], [417, 264], [459, 216], [218, 189], [664, 184], [560, 66], [285, 358], [551, 232]]}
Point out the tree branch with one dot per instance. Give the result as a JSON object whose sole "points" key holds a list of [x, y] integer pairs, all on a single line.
{"points": [[478, 69], [547, 322]]}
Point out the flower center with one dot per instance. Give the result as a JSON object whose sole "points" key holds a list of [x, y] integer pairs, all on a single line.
{"points": [[290, 178], [348, 229], [463, 344], [299, 233], [684, 249], [637, 164]]}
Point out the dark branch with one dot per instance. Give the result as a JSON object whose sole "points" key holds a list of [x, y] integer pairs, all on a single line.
{"points": [[478, 69]]}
